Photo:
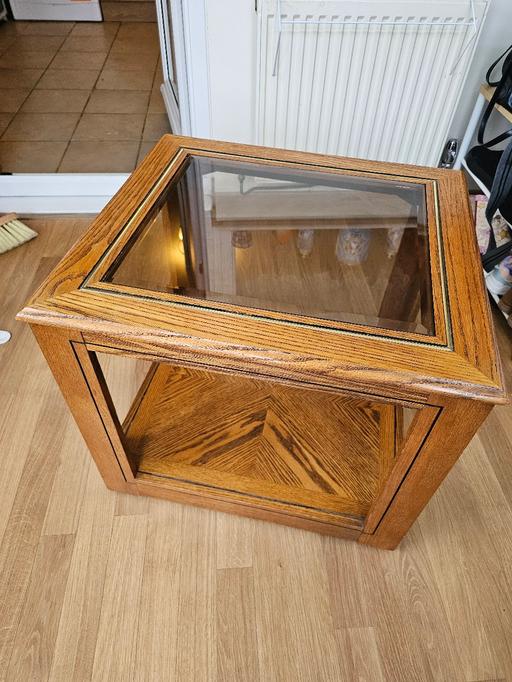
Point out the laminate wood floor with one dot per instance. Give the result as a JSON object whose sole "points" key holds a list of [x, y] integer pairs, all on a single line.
{"points": [[100, 586]]}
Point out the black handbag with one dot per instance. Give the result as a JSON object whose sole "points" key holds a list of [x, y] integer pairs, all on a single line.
{"points": [[493, 167], [503, 90]]}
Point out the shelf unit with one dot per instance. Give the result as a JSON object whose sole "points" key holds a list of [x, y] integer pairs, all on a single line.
{"points": [[485, 95]]}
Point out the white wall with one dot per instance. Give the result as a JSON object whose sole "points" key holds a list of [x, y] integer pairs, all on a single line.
{"points": [[231, 35]]}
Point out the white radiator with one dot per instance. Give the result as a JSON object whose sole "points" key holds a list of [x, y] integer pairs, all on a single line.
{"points": [[376, 80]]}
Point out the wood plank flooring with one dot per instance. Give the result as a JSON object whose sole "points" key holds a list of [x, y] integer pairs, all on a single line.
{"points": [[100, 586]]}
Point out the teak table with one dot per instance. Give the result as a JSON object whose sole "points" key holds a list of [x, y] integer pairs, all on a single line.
{"points": [[316, 333]]}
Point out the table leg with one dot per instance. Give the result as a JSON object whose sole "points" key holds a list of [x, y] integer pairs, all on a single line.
{"points": [[456, 424], [81, 385]]}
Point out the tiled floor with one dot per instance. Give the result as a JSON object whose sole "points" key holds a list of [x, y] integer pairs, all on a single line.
{"points": [[79, 97]]}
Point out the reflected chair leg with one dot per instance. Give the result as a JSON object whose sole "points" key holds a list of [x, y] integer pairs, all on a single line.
{"points": [[400, 300], [455, 426], [87, 402]]}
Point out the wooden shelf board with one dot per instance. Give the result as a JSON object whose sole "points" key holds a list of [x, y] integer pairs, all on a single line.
{"points": [[261, 443], [487, 91]]}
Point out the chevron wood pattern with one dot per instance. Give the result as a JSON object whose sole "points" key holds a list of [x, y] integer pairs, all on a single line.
{"points": [[302, 449]]}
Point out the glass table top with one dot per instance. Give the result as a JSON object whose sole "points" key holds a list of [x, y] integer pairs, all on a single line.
{"points": [[266, 237]]}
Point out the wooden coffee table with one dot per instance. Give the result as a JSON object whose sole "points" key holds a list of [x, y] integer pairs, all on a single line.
{"points": [[315, 333]]}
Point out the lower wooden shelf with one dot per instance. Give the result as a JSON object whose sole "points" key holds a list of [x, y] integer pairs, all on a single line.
{"points": [[302, 452]]}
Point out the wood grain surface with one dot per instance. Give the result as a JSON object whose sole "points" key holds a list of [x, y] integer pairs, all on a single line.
{"points": [[311, 449], [199, 596], [350, 356], [256, 429]]}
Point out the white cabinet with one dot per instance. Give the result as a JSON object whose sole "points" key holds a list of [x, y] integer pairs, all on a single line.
{"points": [[56, 10]]}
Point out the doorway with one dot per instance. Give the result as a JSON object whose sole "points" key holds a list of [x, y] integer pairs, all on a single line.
{"points": [[81, 97]]}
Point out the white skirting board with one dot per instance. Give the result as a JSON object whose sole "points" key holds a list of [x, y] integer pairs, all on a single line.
{"points": [[26, 193]]}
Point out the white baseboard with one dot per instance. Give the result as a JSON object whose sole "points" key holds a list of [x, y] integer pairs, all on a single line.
{"points": [[26, 193]]}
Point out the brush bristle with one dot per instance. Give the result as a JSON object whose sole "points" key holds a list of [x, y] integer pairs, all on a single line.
{"points": [[14, 233]]}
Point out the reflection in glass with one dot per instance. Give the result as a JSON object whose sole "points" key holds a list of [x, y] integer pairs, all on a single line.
{"points": [[319, 244]]}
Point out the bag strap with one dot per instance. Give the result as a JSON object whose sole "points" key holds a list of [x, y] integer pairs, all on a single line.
{"points": [[486, 115], [493, 66], [501, 189], [498, 85], [497, 139]]}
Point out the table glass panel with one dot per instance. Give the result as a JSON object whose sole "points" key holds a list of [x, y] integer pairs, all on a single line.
{"points": [[313, 245]]}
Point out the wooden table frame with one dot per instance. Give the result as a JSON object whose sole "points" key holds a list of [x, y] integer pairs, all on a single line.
{"points": [[454, 377]]}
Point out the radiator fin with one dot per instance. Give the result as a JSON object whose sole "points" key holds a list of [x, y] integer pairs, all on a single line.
{"points": [[379, 90]]}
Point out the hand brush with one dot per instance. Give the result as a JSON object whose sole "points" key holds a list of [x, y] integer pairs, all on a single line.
{"points": [[13, 232]]}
